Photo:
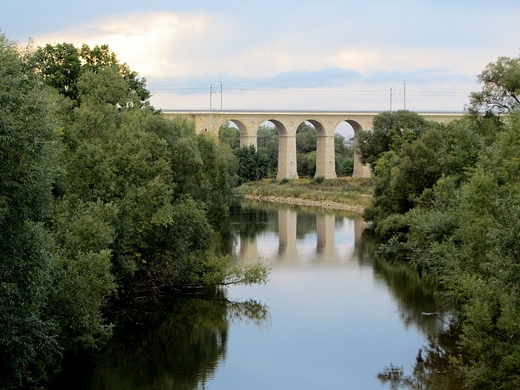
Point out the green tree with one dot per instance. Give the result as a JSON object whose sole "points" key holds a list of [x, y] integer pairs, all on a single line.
{"points": [[461, 231], [402, 178], [448, 203], [251, 164], [267, 142], [500, 87], [62, 65], [344, 155], [390, 131], [305, 138], [97, 196], [28, 346], [305, 144], [229, 135]]}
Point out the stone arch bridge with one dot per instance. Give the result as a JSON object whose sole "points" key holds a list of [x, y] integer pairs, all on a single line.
{"points": [[287, 123]]}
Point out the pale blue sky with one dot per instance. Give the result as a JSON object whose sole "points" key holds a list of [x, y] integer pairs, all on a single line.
{"points": [[337, 55]]}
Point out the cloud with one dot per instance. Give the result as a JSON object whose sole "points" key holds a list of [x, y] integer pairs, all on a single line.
{"points": [[189, 44], [282, 65], [154, 44]]}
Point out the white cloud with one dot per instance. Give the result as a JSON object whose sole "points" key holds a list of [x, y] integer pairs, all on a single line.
{"points": [[201, 47], [155, 44], [190, 44]]}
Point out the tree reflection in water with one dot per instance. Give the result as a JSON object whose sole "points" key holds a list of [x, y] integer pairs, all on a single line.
{"points": [[419, 305], [432, 369], [174, 343]]}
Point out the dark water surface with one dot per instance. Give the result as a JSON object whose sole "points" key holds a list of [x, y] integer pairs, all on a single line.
{"points": [[330, 317]]}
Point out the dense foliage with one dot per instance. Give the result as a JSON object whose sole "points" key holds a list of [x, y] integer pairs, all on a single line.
{"points": [[447, 201], [101, 198], [390, 131]]}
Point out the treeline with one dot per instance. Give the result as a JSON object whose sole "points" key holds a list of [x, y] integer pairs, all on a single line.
{"points": [[262, 161], [447, 201], [101, 198]]}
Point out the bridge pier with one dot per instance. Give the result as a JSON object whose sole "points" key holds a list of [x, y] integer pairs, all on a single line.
{"points": [[287, 168], [248, 139], [325, 157]]}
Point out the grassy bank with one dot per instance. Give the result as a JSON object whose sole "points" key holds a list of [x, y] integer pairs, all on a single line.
{"points": [[343, 193]]}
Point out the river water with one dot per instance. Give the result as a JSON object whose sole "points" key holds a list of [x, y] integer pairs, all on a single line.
{"points": [[329, 317]]}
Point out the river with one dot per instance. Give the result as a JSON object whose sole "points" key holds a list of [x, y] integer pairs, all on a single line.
{"points": [[330, 317]]}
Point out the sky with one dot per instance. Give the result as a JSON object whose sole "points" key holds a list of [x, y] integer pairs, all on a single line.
{"points": [[337, 55]]}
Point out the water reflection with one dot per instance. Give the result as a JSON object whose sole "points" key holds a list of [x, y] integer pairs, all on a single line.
{"points": [[294, 235], [432, 369], [330, 302], [317, 237], [170, 343]]}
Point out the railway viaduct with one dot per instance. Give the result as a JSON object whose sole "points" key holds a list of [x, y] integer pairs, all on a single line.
{"points": [[287, 123]]}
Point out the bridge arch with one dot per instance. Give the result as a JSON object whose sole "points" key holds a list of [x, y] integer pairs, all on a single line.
{"points": [[248, 123], [360, 169], [286, 151], [247, 135]]}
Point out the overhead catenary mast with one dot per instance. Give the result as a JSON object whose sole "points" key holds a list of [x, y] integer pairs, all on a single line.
{"points": [[404, 95], [210, 93]]}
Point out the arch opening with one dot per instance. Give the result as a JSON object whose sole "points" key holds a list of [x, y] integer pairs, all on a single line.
{"points": [[268, 144], [344, 149], [229, 134], [359, 169], [306, 143]]}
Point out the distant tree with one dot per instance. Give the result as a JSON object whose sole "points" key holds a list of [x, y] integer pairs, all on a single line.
{"points": [[344, 155], [229, 135], [305, 138], [389, 132], [500, 87], [305, 144], [267, 143], [251, 164], [307, 164]]}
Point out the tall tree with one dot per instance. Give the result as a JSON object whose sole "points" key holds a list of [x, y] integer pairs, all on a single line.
{"points": [[61, 66], [27, 338], [500, 87], [390, 131]]}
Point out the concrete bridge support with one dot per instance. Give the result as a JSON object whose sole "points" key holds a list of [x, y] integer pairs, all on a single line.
{"points": [[325, 156], [287, 167]]}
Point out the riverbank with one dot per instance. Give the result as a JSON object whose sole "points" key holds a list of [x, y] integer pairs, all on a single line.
{"points": [[350, 194]]}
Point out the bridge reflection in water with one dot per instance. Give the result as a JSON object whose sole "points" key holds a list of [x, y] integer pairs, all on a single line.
{"points": [[328, 238]]}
